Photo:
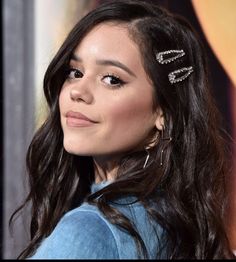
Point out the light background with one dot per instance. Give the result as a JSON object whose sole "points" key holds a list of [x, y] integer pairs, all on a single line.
{"points": [[33, 30]]}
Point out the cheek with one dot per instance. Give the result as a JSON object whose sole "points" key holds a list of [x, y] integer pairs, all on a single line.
{"points": [[131, 120], [124, 113], [130, 110], [62, 99], [63, 107]]}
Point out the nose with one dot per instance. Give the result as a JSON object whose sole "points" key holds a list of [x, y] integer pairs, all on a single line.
{"points": [[80, 93]]}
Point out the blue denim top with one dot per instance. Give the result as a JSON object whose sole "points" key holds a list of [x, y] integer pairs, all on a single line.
{"points": [[85, 233]]}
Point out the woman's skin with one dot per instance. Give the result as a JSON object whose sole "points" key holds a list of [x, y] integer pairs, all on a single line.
{"points": [[107, 83]]}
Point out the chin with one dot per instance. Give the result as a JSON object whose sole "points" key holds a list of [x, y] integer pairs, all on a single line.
{"points": [[76, 149]]}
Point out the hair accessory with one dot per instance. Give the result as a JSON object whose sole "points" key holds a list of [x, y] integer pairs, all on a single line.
{"points": [[174, 78], [161, 56]]}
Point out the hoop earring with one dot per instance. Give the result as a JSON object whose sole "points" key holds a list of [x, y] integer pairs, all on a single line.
{"points": [[146, 160]]}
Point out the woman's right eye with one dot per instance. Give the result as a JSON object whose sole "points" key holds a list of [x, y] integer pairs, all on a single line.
{"points": [[73, 73]]}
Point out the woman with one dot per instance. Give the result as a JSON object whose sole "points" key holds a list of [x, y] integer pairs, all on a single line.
{"points": [[130, 162]]}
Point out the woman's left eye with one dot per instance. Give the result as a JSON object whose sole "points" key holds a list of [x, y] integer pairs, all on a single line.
{"points": [[113, 80]]}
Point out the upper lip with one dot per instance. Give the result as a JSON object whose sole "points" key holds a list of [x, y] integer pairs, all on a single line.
{"points": [[78, 115]]}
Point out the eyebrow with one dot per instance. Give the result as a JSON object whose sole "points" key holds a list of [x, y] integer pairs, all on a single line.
{"points": [[106, 63]]}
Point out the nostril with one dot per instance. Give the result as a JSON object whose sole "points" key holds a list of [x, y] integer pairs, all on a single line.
{"points": [[75, 95], [81, 95]]}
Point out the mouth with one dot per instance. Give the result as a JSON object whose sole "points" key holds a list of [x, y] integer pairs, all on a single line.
{"points": [[77, 119]]}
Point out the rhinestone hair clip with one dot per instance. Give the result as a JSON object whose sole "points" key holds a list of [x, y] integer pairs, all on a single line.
{"points": [[169, 56], [166, 57], [174, 78]]}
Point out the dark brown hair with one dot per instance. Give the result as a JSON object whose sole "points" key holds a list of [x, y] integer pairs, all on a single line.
{"points": [[192, 202]]}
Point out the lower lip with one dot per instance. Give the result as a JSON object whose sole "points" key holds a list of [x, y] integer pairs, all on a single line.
{"points": [[76, 122]]}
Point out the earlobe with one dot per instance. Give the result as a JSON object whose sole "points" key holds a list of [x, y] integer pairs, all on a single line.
{"points": [[159, 120]]}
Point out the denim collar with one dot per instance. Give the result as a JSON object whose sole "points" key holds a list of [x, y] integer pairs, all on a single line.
{"points": [[98, 186], [126, 200]]}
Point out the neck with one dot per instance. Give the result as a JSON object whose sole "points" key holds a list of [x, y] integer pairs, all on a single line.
{"points": [[105, 169]]}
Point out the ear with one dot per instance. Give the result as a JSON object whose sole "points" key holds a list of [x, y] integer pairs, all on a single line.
{"points": [[159, 119]]}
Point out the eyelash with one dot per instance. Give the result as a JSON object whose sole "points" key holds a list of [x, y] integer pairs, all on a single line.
{"points": [[116, 78], [70, 70], [120, 83]]}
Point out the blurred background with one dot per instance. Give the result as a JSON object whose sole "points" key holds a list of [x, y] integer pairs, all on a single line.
{"points": [[31, 33]]}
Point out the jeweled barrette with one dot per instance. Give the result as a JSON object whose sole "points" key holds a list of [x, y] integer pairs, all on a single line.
{"points": [[174, 76], [165, 58]]}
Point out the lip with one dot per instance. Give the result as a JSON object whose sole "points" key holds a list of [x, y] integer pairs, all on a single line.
{"points": [[77, 119]]}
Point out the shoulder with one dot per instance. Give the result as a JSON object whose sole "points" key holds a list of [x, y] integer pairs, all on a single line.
{"points": [[81, 233]]}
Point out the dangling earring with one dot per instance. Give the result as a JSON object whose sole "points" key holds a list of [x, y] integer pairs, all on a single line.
{"points": [[154, 141], [146, 160], [163, 138], [161, 161]]}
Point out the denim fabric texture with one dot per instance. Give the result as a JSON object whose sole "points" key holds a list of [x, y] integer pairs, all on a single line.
{"points": [[84, 233]]}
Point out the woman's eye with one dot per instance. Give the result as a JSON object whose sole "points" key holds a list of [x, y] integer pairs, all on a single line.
{"points": [[73, 73], [113, 80]]}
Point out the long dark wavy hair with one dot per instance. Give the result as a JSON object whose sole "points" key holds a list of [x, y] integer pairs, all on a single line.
{"points": [[192, 178]]}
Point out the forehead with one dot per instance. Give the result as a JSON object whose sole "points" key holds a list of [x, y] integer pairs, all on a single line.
{"points": [[110, 40], [109, 35]]}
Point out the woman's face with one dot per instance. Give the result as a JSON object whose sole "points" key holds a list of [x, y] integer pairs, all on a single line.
{"points": [[106, 102]]}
